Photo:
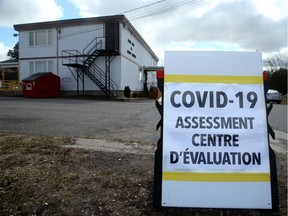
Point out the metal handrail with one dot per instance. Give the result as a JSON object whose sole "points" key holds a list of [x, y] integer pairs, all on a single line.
{"points": [[74, 58], [92, 54], [93, 45], [101, 76], [71, 57]]}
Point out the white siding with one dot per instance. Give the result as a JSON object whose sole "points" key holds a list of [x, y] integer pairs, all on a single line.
{"points": [[124, 68], [130, 75], [131, 64], [78, 37], [27, 51]]}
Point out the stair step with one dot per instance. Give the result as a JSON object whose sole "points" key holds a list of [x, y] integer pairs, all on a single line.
{"points": [[86, 67]]}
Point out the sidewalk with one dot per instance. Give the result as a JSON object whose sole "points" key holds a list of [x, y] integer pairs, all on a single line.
{"points": [[279, 145]]}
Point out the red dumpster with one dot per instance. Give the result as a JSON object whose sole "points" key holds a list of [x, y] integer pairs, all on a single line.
{"points": [[41, 85]]}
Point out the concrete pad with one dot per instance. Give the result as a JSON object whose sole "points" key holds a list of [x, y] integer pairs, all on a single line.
{"points": [[112, 146], [280, 143]]}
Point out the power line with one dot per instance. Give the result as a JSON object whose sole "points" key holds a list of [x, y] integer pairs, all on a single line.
{"points": [[170, 8], [81, 32], [148, 5]]}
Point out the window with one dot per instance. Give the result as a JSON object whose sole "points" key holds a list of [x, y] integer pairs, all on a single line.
{"points": [[40, 66], [40, 38]]}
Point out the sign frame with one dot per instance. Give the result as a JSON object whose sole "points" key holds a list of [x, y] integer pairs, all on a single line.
{"points": [[243, 63]]}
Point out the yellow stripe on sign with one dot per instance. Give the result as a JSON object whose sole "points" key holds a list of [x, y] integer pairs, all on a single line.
{"points": [[216, 177], [213, 79]]}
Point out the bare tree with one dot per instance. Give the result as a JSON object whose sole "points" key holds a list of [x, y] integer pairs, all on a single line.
{"points": [[276, 61]]}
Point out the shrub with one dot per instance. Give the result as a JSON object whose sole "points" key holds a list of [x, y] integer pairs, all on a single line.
{"points": [[127, 91]]}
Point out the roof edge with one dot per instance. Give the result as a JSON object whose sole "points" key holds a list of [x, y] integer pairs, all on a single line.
{"points": [[71, 22], [140, 38], [89, 20]]}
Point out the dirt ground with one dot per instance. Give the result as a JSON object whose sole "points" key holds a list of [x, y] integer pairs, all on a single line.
{"points": [[40, 176]]}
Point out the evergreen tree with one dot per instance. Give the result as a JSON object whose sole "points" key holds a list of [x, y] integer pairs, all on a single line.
{"points": [[14, 54], [278, 80]]}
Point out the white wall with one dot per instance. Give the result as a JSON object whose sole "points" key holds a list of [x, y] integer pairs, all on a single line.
{"points": [[115, 71], [124, 68], [27, 51], [131, 64], [70, 38], [78, 37], [130, 75]]}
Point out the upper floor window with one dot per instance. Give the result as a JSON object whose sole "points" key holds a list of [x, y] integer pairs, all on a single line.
{"points": [[40, 38]]}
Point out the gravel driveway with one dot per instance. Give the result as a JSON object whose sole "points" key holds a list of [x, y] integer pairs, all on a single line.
{"points": [[110, 120], [90, 120]]}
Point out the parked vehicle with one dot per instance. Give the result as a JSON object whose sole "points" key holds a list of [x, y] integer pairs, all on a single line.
{"points": [[273, 96]]}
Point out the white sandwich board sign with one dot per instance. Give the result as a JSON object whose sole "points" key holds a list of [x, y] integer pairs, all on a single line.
{"points": [[215, 142]]}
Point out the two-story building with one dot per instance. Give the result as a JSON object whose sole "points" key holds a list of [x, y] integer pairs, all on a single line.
{"points": [[89, 54]]}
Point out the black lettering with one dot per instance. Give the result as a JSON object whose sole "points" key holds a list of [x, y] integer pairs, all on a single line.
{"points": [[209, 161], [246, 158], [179, 122], [203, 140], [201, 101], [239, 158], [172, 99], [256, 158], [226, 158], [216, 123], [211, 140], [227, 140], [221, 99], [186, 157], [211, 94], [202, 122], [242, 123], [233, 154], [195, 122], [174, 157], [202, 158], [235, 123], [209, 123], [226, 123], [235, 138], [217, 162], [193, 140], [184, 99], [193, 157], [251, 122], [188, 123], [220, 139]]}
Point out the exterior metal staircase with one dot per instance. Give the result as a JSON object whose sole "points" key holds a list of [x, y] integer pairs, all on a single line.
{"points": [[85, 63]]}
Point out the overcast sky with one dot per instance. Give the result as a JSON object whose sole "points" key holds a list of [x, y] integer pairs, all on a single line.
{"points": [[228, 25]]}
